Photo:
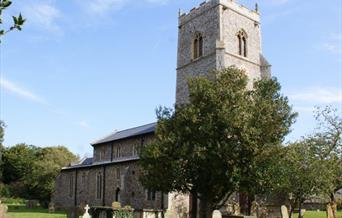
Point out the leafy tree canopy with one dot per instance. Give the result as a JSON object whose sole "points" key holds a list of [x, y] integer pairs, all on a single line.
{"points": [[208, 147], [30, 171]]}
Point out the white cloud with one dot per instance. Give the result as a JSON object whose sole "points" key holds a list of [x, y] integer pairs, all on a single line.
{"points": [[44, 15], [18, 90], [332, 47], [319, 95], [84, 124], [333, 44]]}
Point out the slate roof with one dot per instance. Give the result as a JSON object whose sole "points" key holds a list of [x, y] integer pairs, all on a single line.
{"points": [[136, 131], [84, 162], [82, 165]]}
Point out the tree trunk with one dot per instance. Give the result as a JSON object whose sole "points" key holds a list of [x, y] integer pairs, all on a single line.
{"points": [[300, 209], [292, 206], [162, 205], [206, 209], [251, 198], [244, 203], [332, 197], [193, 205]]}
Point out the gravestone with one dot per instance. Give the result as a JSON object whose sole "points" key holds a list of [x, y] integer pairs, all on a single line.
{"points": [[284, 212], [52, 207], [217, 214], [86, 214]]}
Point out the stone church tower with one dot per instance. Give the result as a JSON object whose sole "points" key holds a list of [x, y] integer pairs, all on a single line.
{"points": [[218, 34]]}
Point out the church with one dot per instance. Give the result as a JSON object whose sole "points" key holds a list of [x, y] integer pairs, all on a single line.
{"points": [[215, 35]]}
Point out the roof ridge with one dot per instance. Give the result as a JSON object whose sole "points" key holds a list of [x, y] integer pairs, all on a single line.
{"points": [[102, 138], [123, 132], [131, 128]]}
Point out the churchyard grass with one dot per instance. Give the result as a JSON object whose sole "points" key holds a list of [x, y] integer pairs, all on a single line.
{"points": [[315, 214], [20, 211]]}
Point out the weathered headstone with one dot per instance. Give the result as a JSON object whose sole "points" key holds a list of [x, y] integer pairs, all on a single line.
{"points": [[284, 212], [86, 214], [52, 207], [217, 214]]}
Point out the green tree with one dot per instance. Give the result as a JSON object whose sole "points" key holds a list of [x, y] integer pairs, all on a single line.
{"points": [[2, 149], [326, 142], [18, 21], [30, 171], [207, 147], [2, 131], [311, 166], [17, 165], [45, 169], [303, 174]]}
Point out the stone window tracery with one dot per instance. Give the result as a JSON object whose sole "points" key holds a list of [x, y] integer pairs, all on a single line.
{"points": [[197, 46], [242, 43]]}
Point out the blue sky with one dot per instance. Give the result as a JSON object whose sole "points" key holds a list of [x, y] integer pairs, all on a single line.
{"points": [[81, 69]]}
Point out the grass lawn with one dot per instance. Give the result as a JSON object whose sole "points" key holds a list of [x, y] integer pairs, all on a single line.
{"points": [[314, 214], [20, 211]]}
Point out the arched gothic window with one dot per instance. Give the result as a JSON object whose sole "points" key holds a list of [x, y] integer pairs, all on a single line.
{"points": [[242, 40], [198, 46]]}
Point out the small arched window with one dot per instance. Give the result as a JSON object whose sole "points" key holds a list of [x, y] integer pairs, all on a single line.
{"points": [[198, 46], [242, 43]]}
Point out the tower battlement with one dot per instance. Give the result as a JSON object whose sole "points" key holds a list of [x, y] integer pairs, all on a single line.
{"points": [[227, 4]]}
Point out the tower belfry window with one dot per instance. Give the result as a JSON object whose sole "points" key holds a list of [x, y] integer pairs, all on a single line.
{"points": [[242, 43], [198, 46]]}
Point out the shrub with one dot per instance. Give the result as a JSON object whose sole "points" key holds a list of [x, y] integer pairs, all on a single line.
{"points": [[4, 190], [13, 201], [339, 204], [116, 205]]}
